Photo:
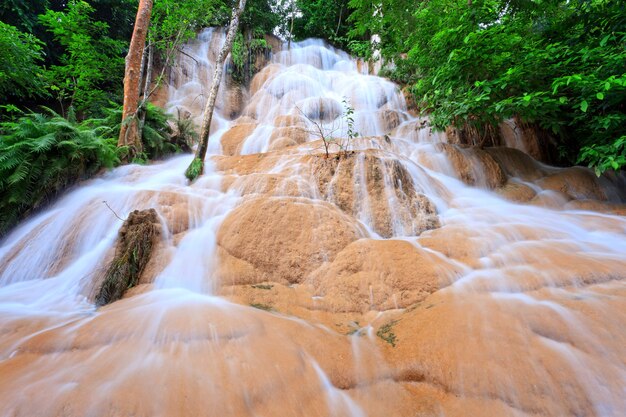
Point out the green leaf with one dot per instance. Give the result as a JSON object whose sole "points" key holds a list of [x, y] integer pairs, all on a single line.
{"points": [[600, 96], [605, 40], [584, 106]]}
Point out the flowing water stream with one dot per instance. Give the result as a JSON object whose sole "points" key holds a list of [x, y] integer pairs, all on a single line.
{"points": [[398, 279]]}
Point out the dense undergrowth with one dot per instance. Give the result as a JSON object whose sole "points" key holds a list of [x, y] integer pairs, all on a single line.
{"points": [[42, 154]]}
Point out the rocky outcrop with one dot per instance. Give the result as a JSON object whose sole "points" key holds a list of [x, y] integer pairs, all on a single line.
{"points": [[281, 239], [575, 182], [517, 192], [233, 139], [473, 166], [379, 190]]}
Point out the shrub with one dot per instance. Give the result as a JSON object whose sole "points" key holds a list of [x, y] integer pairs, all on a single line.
{"points": [[43, 154]]}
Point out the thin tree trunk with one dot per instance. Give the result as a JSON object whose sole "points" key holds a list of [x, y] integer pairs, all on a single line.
{"points": [[339, 21], [142, 70], [146, 89], [129, 133], [198, 163], [293, 7]]}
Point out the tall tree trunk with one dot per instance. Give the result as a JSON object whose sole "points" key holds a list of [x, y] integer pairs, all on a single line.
{"points": [[197, 165], [129, 133]]}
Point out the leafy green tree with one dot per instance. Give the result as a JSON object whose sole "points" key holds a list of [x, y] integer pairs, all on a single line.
{"points": [[557, 65], [20, 56], [326, 19], [22, 14], [87, 75]]}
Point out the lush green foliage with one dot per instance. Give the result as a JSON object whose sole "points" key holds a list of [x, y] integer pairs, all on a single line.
{"points": [[41, 155], [326, 19], [174, 22], [195, 169], [557, 64], [91, 63], [20, 55], [243, 55], [156, 134]]}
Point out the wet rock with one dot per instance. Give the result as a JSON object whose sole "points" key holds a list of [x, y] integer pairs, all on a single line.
{"points": [[595, 205], [322, 109], [289, 120], [528, 138], [439, 342], [379, 275], [233, 139], [262, 76], [516, 163], [283, 137], [281, 239], [516, 192], [389, 119], [474, 166], [575, 182], [376, 189]]}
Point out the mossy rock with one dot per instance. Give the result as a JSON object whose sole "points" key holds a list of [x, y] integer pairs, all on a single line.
{"points": [[134, 247]]}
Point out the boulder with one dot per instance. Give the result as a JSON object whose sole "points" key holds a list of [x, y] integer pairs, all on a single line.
{"points": [[281, 239], [576, 182], [473, 166]]}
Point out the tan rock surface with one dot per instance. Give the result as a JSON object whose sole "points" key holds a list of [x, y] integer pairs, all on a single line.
{"points": [[233, 139], [516, 192], [474, 166], [576, 182], [281, 239], [380, 275]]}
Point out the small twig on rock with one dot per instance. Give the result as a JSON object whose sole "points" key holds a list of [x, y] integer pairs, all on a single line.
{"points": [[113, 211]]}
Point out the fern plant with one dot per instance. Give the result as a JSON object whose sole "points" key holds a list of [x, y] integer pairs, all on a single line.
{"points": [[41, 155], [157, 136]]}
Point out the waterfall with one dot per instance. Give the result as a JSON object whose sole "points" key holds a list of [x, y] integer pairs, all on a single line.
{"points": [[401, 275]]}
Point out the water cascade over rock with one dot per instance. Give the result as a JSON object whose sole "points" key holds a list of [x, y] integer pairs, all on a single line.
{"points": [[399, 275]]}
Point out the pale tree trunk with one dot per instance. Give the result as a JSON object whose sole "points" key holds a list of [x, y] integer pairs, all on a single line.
{"points": [[197, 165], [129, 133], [146, 89]]}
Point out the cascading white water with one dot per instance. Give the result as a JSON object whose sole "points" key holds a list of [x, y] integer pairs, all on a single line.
{"points": [[528, 318]]}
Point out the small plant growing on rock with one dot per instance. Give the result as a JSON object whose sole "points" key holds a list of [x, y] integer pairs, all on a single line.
{"points": [[320, 131], [386, 333], [261, 306], [195, 169], [326, 134], [348, 117], [262, 286]]}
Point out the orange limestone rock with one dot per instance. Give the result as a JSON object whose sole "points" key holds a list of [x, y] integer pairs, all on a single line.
{"points": [[380, 275], [281, 239]]}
